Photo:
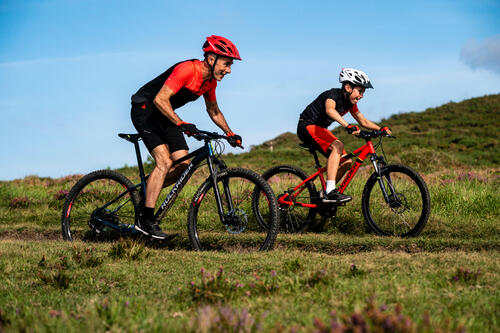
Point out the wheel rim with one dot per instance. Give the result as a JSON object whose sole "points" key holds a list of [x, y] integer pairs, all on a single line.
{"points": [[85, 218], [243, 232], [405, 209], [294, 218]]}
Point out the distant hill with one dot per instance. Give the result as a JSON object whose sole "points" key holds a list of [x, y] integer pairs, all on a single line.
{"points": [[452, 135]]}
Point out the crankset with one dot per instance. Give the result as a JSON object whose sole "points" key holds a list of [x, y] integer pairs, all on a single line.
{"points": [[327, 210], [99, 215]]}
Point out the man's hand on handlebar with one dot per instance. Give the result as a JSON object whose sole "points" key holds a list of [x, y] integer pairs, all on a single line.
{"points": [[188, 128], [234, 139]]}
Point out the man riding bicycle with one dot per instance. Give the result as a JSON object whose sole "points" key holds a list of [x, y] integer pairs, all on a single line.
{"points": [[162, 129], [329, 106]]}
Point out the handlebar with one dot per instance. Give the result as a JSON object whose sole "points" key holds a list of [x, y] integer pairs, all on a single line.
{"points": [[208, 136], [373, 134]]}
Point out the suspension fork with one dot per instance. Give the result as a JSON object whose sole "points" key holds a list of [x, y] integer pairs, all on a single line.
{"points": [[221, 166], [214, 172], [378, 169]]}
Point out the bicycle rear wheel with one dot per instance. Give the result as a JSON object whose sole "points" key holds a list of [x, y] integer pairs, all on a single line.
{"points": [[409, 205], [102, 200], [241, 229], [283, 179]]}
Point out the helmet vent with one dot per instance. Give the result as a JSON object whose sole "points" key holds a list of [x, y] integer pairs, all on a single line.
{"points": [[220, 48]]}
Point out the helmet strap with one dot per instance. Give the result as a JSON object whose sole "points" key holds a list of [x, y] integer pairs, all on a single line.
{"points": [[213, 66], [346, 93]]}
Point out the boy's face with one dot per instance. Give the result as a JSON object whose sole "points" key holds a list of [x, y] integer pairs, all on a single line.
{"points": [[356, 93]]}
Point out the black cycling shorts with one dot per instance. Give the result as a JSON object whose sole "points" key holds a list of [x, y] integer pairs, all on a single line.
{"points": [[156, 129]]}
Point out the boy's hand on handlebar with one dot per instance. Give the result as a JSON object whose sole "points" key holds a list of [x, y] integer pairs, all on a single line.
{"points": [[188, 128], [387, 130], [234, 139], [352, 129]]}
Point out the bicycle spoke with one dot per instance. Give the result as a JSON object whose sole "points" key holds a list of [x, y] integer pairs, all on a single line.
{"points": [[241, 230], [283, 180], [407, 209], [95, 199]]}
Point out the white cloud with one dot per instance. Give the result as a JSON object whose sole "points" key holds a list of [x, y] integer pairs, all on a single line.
{"points": [[482, 54]]}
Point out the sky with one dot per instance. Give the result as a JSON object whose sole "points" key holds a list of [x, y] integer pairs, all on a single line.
{"points": [[69, 67]]}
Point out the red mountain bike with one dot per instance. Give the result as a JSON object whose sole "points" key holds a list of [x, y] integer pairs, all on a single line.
{"points": [[395, 199]]}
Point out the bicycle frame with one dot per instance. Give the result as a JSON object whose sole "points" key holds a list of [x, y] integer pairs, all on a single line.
{"points": [[200, 154], [360, 153]]}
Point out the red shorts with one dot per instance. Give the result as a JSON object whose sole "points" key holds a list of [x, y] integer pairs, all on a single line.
{"points": [[319, 136]]}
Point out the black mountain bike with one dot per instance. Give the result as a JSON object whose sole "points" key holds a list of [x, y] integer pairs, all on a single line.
{"points": [[221, 214]]}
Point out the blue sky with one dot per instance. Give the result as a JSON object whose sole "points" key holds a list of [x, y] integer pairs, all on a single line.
{"points": [[68, 67]]}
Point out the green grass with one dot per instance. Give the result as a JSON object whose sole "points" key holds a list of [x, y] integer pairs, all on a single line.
{"points": [[449, 274], [55, 285]]}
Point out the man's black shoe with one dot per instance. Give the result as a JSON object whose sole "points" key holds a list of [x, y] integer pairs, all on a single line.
{"points": [[151, 229], [335, 197]]}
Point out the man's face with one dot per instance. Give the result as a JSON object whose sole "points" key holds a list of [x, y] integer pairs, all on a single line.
{"points": [[222, 67], [356, 93]]}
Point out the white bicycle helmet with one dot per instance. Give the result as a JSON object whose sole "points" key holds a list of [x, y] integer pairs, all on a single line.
{"points": [[355, 77]]}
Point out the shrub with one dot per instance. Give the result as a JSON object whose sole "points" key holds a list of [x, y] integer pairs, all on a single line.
{"points": [[465, 276], [127, 249], [19, 202], [221, 319]]}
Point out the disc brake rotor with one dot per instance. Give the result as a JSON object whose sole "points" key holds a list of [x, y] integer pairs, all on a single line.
{"points": [[236, 221], [398, 203]]}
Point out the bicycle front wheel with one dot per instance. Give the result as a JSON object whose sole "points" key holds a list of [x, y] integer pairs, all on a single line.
{"points": [[295, 216], [102, 200], [238, 228], [408, 207]]}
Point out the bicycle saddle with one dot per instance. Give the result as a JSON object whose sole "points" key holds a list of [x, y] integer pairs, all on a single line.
{"points": [[130, 137], [307, 147]]}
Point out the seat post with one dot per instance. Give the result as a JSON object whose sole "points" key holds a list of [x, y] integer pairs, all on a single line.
{"points": [[139, 162], [316, 160]]}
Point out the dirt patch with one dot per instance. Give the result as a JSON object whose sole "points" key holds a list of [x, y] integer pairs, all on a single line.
{"points": [[30, 235]]}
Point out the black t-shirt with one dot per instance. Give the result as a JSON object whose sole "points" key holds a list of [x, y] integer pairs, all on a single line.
{"points": [[315, 113]]}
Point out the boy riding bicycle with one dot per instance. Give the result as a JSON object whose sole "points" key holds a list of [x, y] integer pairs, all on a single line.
{"points": [[329, 106]]}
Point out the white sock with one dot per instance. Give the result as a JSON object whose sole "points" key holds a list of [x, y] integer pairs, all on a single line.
{"points": [[330, 186]]}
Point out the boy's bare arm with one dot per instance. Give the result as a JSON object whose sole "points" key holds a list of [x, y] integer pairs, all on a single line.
{"points": [[333, 114]]}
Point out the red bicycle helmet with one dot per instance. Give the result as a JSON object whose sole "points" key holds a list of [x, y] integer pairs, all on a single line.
{"points": [[221, 46]]}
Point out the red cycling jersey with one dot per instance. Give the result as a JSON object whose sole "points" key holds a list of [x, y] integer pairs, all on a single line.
{"points": [[186, 81], [188, 74]]}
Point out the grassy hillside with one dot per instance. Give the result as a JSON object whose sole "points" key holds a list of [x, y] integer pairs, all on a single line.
{"points": [[444, 280], [464, 134]]}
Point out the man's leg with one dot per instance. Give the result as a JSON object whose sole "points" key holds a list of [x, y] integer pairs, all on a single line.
{"points": [[163, 162], [176, 171]]}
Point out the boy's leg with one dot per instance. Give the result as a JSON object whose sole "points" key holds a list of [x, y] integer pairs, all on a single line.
{"points": [[332, 164], [332, 148], [332, 173], [343, 167]]}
